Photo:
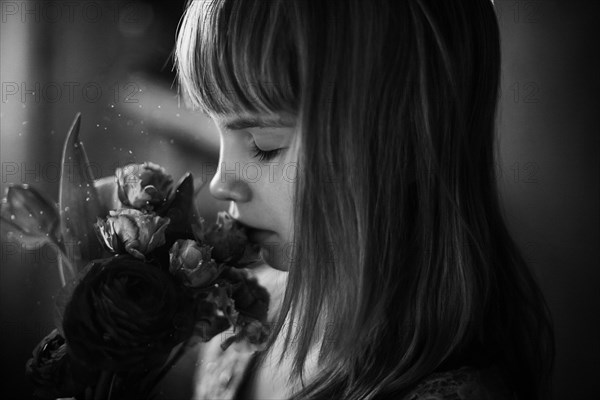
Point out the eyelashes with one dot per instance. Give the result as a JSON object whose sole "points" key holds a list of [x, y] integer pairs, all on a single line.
{"points": [[263, 155]]}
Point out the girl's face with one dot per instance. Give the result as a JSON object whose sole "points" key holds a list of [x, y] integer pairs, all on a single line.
{"points": [[257, 173]]}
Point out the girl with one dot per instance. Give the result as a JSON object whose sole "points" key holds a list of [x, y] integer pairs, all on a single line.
{"points": [[357, 144]]}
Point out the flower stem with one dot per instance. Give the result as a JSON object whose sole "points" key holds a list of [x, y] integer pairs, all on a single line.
{"points": [[63, 261], [171, 362], [103, 389]]}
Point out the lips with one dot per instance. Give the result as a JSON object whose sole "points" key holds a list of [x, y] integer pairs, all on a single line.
{"points": [[255, 235]]}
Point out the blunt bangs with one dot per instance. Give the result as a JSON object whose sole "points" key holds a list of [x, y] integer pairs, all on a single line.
{"points": [[238, 56]]}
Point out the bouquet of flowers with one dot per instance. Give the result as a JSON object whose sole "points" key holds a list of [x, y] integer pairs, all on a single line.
{"points": [[143, 277]]}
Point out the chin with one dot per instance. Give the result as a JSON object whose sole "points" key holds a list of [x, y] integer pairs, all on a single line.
{"points": [[273, 258]]}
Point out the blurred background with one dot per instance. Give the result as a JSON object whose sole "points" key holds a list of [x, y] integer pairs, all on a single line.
{"points": [[111, 61]]}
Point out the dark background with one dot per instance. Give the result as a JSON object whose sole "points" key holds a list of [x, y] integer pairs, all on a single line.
{"points": [[110, 60]]}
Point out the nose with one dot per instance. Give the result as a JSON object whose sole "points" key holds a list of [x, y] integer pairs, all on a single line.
{"points": [[227, 183]]}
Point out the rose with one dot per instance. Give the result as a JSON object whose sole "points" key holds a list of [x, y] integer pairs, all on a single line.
{"points": [[192, 263], [250, 298], [143, 186], [51, 369], [227, 237], [132, 231], [214, 313], [31, 214], [126, 315]]}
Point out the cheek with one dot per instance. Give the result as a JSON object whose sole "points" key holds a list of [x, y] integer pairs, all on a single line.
{"points": [[276, 199], [276, 191]]}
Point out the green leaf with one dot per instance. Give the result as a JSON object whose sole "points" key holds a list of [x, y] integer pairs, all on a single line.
{"points": [[78, 201], [181, 210]]}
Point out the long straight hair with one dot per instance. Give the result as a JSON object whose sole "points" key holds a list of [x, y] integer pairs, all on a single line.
{"points": [[400, 243]]}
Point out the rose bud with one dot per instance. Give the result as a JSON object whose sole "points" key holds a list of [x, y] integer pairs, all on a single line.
{"points": [[250, 335], [228, 239], [143, 186], [51, 369], [132, 231], [108, 192], [33, 216], [126, 315], [192, 263], [255, 331]]}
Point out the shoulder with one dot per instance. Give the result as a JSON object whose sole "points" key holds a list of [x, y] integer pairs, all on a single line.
{"points": [[464, 383]]}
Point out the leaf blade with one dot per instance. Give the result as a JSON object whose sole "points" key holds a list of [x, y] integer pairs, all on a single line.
{"points": [[78, 201]]}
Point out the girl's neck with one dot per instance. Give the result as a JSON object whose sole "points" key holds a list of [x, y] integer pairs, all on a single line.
{"points": [[266, 378], [270, 379]]}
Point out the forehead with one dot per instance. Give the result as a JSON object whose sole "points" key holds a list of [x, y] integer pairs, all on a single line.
{"points": [[236, 121]]}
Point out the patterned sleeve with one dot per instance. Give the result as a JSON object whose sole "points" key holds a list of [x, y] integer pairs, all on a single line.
{"points": [[462, 384]]}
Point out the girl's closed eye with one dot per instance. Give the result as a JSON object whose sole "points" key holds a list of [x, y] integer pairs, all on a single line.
{"points": [[265, 155]]}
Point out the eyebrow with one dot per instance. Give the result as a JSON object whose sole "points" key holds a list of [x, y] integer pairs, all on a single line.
{"points": [[255, 122]]}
